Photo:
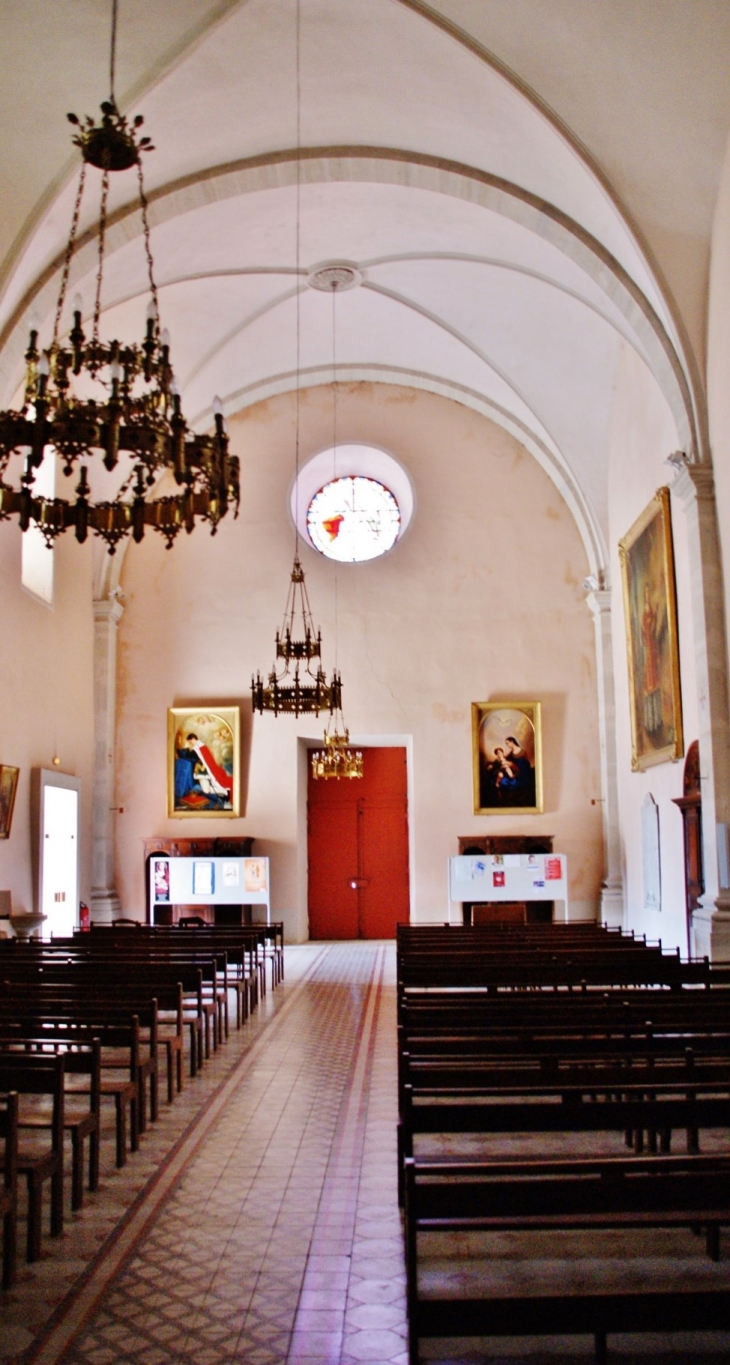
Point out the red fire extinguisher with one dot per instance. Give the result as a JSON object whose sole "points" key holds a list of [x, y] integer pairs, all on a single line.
{"points": [[84, 917]]}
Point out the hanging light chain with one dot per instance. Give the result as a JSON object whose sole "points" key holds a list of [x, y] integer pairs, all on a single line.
{"points": [[68, 255], [144, 207], [113, 52], [102, 247]]}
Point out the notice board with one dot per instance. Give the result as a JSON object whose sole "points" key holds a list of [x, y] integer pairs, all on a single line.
{"points": [[209, 881], [509, 877]]}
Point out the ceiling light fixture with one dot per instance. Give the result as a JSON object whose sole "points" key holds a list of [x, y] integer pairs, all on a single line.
{"points": [[91, 401], [297, 684], [336, 759]]}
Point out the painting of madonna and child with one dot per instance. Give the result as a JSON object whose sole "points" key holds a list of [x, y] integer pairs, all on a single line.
{"points": [[650, 609], [203, 776], [507, 757]]}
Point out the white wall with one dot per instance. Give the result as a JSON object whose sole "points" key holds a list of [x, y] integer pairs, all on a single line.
{"points": [[482, 599], [46, 687], [642, 436], [718, 369]]}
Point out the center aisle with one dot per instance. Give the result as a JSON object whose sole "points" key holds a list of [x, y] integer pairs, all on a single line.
{"points": [[280, 1238]]}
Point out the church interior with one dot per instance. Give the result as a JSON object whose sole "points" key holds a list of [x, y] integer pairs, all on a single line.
{"points": [[470, 258]]}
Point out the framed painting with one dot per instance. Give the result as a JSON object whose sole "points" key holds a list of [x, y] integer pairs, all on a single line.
{"points": [[203, 761], [507, 757], [8, 787], [650, 612]]}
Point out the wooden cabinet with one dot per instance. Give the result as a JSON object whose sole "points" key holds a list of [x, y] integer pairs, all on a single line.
{"points": [[690, 804], [531, 912]]}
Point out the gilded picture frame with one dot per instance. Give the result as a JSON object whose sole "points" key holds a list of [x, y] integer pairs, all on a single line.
{"points": [[203, 762], [652, 641], [8, 788], [507, 757]]}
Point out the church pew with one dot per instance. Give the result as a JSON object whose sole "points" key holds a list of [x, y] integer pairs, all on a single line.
{"points": [[82, 1103], [562, 1197], [65, 1023], [9, 1186], [40, 1160], [566, 1113]]}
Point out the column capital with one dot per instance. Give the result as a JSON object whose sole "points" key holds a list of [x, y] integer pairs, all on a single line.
{"points": [[109, 608], [692, 481], [598, 600]]}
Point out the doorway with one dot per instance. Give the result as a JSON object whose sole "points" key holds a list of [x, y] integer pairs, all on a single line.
{"points": [[357, 846], [56, 798]]}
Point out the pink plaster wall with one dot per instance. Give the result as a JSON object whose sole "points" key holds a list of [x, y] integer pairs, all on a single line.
{"points": [[481, 600], [642, 436], [46, 686]]}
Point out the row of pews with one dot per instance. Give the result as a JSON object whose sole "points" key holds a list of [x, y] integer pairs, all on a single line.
{"points": [[95, 1025], [561, 1088]]}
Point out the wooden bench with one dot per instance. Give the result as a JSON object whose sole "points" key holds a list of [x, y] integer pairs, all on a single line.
{"points": [[558, 1197], [39, 1161], [70, 1026], [9, 1187], [82, 1105]]}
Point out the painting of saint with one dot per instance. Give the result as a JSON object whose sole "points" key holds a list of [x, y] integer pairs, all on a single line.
{"points": [[507, 759], [203, 762], [8, 788], [650, 607]]}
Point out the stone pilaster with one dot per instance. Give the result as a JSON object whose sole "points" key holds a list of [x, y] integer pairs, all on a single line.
{"points": [[105, 902], [612, 890], [694, 485]]}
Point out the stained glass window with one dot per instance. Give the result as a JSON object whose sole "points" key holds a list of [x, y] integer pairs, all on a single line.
{"points": [[353, 519]]}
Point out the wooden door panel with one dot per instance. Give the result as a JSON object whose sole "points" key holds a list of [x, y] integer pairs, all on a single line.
{"points": [[332, 852], [358, 831], [384, 898]]}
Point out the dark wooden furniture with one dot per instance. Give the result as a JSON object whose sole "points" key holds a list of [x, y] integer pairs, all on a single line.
{"points": [[180, 847], [690, 804], [9, 1186], [531, 912], [557, 1197]]}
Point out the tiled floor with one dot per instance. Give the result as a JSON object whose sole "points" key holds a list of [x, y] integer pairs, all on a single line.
{"points": [[259, 1221]]}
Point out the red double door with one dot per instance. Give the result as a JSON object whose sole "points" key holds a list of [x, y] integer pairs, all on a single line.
{"points": [[358, 850]]}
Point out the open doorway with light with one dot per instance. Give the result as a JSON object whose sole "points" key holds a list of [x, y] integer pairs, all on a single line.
{"points": [[56, 798]]}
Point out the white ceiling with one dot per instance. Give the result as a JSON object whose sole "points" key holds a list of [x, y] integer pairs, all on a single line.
{"points": [[502, 262]]}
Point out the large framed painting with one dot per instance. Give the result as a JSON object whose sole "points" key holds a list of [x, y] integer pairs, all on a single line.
{"points": [[8, 788], [507, 757], [203, 761], [650, 611]]}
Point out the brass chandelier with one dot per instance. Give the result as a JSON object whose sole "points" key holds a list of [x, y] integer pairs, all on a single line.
{"points": [[89, 400], [297, 684], [336, 759]]}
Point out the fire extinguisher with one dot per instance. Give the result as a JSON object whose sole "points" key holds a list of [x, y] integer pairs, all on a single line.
{"points": [[84, 917]]}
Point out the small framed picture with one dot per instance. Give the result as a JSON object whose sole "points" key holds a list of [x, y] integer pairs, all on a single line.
{"points": [[203, 761], [650, 610], [8, 787], [507, 757]]}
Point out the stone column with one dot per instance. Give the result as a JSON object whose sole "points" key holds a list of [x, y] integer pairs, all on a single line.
{"points": [[694, 485], [105, 902], [612, 890]]}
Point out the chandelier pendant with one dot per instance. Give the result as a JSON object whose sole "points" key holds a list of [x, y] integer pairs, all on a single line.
{"points": [[336, 759], [133, 424], [297, 684]]}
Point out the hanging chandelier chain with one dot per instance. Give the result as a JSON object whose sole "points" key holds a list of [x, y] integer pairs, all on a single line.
{"points": [[113, 52], [298, 268], [144, 207], [68, 256], [102, 246], [334, 450]]}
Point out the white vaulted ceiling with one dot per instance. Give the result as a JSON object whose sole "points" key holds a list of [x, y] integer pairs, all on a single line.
{"points": [[500, 263]]}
